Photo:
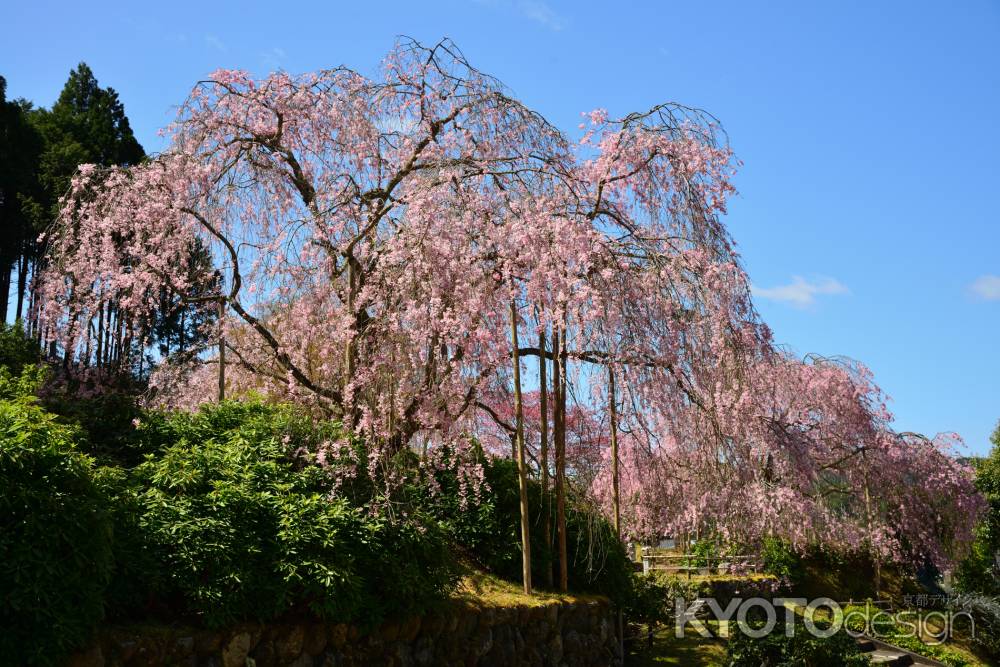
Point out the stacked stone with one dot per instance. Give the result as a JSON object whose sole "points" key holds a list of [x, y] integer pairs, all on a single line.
{"points": [[557, 634]]}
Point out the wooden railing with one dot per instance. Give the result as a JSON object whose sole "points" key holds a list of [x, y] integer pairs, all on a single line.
{"points": [[689, 564]]}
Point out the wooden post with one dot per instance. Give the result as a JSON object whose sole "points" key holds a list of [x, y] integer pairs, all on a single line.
{"points": [[616, 501], [559, 375], [543, 409], [222, 350], [615, 486], [521, 465]]}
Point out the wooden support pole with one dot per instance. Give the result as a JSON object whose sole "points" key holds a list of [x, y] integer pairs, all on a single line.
{"points": [[522, 473], [559, 375], [543, 408], [222, 351]]}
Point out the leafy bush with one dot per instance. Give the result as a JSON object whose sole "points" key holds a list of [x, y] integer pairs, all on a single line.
{"points": [[487, 529], [650, 601], [17, 349], [653, 595], [800, 650], [55, 538], [703, 551], [985, 613], [888, 627], [979, 572], [236, 524], [106, 422], [779, 559]]}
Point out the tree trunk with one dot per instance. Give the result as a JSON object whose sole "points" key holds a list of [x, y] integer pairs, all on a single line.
{"points": [[107, 336], [543, 409], [5, 288], [22, 283], [181, 340], [522, 473], [99, 352], [34, 326], [85, 359], [559, 376]]}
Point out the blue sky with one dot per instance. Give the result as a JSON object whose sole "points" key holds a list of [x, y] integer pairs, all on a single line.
{"points": [[869, 131]]}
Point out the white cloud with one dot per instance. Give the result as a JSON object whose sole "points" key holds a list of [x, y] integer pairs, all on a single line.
{"points": [[273, 57], [535, 10], [986, 287], [215, 43], [801, 293], [541, 13]]}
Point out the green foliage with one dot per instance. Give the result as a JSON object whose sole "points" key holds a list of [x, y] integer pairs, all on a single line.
{"points": [[181, 327], [651, 600], [23, 387], [653, 595], [87, 124], [55, 537], [979, 573], [938, 652], [20, 148], [985, 613], [779, 559], [899, 631], [702, 551], [236, 525], [107, 424], [598, 560], [802, 649], [487, 528], [17, 349]]}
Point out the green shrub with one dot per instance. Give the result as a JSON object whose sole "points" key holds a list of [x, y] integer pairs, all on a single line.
{"points": [[106, 422], [703, 552], [653, 595], [779, 559], [487, 528], [55, 538], [985, 613], [899, 631], [800, 650], [17, 349], [237, 524], [979, 573], [650, 601]]}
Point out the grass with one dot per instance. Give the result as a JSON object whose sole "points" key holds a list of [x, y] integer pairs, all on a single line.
{"points": [[667, 649], [482, 589]]}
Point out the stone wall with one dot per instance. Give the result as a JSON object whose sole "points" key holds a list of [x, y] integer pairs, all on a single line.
{"points": [[554, 633]]}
